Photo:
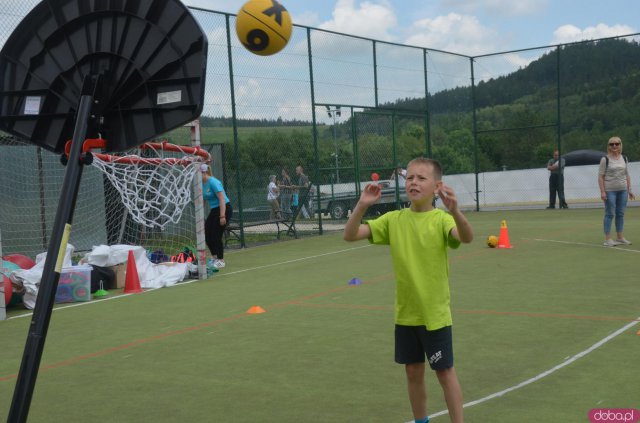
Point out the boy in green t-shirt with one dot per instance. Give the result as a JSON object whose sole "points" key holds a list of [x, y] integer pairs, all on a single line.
{"points": [[419, 237]]}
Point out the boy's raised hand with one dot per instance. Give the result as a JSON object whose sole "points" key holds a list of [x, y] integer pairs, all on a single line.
{"points": [[448, 197], [354, 230], [370, 194]]}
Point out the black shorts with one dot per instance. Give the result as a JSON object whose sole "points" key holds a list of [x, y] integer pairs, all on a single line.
{"points": [[414, 343]]}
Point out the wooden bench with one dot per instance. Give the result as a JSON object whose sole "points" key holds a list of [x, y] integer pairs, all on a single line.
{"points": [[233, 230], [285, 225]]}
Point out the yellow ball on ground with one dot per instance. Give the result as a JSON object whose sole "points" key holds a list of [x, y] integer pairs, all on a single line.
{"points": [[263, 26], [492, 241]]}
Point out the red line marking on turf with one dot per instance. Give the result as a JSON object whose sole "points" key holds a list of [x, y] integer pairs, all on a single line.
{"points": [[131, 344], [8, 377], [485, 312], [546, 315], [300, 302], [143, 341], [347, 306], [389, 276]]}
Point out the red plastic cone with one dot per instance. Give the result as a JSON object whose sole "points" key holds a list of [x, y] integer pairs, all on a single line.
{"points": [[256, 310], [131, 279], [503, 240]]}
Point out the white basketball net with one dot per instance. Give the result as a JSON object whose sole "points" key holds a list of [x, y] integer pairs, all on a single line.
{"points": [[155, 189]]}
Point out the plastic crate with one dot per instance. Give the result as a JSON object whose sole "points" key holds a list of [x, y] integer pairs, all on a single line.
{"points": [[74, 284]]}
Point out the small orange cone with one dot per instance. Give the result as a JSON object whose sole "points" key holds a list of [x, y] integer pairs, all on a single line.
{"points": [[256, 310], [503, 241], [131, 279]]}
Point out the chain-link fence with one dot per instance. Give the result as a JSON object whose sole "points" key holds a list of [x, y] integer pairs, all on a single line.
{"points": [[348, 110]]}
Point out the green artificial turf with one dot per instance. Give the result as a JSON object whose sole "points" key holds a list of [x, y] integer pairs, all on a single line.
{"points": [[323, 350]]}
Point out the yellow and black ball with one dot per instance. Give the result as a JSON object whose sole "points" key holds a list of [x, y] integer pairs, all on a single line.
{"points": [[263, 26], [492, 241]]}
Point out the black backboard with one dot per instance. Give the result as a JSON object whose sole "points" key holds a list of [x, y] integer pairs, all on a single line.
{"points": [[150, 56]]}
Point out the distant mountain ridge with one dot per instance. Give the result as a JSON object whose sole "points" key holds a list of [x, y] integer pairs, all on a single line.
{"points": [[585, 66]]}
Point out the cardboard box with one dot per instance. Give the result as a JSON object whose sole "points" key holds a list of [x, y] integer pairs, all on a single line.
{"points": [[120, 271], [74, 284]]}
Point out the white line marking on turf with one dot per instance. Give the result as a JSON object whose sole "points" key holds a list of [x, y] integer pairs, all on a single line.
{"points": [[198, 280], [617, 247], [75, 305], [547, 372], [280, 263], [440, 413]]}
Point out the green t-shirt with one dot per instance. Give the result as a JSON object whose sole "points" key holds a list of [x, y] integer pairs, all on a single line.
{"points": [[419, 254]]}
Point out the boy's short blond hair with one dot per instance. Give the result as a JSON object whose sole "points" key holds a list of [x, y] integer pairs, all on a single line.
{"points": [[435, 165]]}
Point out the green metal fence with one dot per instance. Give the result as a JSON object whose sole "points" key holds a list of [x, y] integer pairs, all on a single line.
{"points": [[346, 107]]}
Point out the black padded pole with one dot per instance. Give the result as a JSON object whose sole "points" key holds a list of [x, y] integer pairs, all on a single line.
{"points": [[53, 264]]}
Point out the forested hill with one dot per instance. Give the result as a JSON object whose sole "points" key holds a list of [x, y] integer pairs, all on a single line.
{"points": [[227, 122], [519, 118], [611, 63]]}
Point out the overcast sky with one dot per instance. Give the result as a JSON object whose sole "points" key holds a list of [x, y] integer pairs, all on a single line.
{"points": [[470, 27]]}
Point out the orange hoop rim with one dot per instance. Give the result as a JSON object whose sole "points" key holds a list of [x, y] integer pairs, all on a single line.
{"points": [[200, 155]]}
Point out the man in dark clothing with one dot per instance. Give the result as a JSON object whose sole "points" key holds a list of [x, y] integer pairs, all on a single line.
{"points": [[556, 181]]}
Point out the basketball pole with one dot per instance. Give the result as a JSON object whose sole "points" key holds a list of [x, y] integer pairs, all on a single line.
{"points": [[37, 334], [198, 202]]}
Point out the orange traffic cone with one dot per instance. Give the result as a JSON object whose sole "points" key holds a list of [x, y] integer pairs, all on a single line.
{"points": [[131, 279], [256, 310], [503, 240]]}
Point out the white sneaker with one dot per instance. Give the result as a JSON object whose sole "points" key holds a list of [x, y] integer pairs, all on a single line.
{"points": [[609, 243], [192, 268], [622, 241], [218, 264]]}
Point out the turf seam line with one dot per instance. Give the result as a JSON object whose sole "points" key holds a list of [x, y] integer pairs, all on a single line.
{"points": [[130, 344]]}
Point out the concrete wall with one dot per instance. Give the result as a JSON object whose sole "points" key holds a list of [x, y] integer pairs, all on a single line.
{"points": [[531, 187]]}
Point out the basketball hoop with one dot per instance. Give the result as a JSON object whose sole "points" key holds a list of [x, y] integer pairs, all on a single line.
{"points": [[154, 180]]}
